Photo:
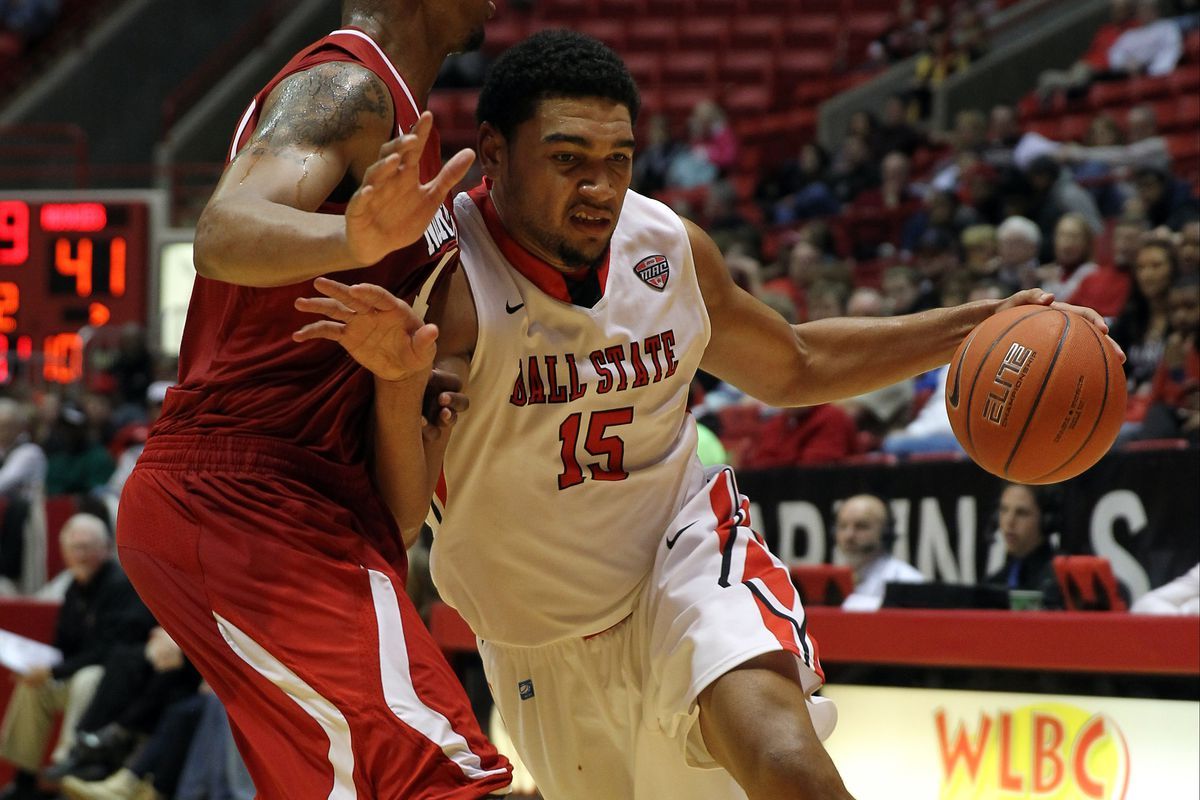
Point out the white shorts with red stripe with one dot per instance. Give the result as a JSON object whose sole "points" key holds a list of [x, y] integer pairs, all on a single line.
{"points": [[615, 715]]}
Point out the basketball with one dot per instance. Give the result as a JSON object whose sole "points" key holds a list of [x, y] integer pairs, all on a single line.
{"points": [[1036, 394]]}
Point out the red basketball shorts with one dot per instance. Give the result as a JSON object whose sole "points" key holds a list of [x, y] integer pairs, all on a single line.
{"points": [[280, 576]]}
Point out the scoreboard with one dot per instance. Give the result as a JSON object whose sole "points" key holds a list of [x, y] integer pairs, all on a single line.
{"points": [[68, 268]]}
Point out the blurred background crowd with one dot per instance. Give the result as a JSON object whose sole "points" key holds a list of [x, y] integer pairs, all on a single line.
{"points": [[1086, 182]]}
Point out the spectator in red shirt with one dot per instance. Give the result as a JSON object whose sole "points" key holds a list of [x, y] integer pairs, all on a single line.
{"points": [[1072, 256], [1107, 288], [800, 436]]}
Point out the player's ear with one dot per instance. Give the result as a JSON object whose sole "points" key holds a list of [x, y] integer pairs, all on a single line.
{"points": [[492, 149]]}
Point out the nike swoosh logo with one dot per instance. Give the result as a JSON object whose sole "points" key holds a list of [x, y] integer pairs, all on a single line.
{"points": [[957, 375], [671, 540], [513, 309]]}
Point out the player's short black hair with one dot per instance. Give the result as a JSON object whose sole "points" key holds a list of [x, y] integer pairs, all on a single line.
{"points": [[552, 63]]}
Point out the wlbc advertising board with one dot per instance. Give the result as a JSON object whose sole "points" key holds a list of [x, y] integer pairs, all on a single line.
{"points": [[920, 744]]}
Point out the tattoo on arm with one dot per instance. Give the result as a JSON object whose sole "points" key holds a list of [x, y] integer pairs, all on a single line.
{"points": [[320, 107]]}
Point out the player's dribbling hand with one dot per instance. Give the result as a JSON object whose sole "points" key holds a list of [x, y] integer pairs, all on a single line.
{"points": [[1038, 297], [378, 329], [392, 208]]}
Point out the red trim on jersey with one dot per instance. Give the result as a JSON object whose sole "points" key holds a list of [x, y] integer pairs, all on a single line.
{"points": [[779, 583], [549, 279], [816, 658], [722, 508], [440, 489]]}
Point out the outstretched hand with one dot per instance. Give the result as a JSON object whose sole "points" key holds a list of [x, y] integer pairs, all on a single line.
{"points": [[1038, 297], [392, 208], [378, 329]]}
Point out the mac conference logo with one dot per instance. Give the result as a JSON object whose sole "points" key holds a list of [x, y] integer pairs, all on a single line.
{"points": [[654, 271], [1048, 751]]}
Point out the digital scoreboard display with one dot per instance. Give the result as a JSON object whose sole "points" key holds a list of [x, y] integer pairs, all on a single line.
{"points": [[67, 269]]}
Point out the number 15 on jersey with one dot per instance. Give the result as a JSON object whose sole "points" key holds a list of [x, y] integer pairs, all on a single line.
{"points": [[598, 443]]}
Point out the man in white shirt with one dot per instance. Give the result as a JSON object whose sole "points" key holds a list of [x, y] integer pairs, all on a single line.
{"points": [[22, 462], [23, 526], [864, 537], [1177, 598], [1153, 48]]}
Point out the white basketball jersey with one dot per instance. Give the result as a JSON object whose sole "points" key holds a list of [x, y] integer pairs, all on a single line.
{"points": [[578, 449]]}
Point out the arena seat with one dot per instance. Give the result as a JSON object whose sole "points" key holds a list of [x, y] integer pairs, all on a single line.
{"points": [[1145, 88], [58, 510], [1185, 80], [610, 31], [1087, 584], [748, 99], [704, 33], [1109, 94], [810, 32], [645, 66], [759, 32], [691, 67], [1074, 128], [33, 619], [822, 584], [748, 68], [806, 71], [565, 10], [450, 630], [656, 35]]}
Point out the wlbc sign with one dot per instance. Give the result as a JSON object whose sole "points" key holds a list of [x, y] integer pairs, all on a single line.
{"points": [[1048, 751]]}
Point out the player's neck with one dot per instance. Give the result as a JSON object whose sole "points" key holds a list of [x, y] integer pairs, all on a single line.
{"points": [[417, 58], [527, 243]]}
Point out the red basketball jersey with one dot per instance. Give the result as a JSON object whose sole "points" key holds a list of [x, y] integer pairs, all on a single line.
{"points": [[240, 373]]}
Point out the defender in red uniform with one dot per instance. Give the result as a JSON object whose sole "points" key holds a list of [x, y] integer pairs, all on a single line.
{"points": [[251, 525]]}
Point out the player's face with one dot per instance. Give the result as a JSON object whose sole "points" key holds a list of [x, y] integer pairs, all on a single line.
{"points": [[1184, 306], [561, 179], [859, 530], [1153, 271], [1020, 521], [1189, 247], [82, 554], [1070, 242], [469, 16]]}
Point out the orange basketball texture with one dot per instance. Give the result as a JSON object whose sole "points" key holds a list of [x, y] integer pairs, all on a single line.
{"points": [[1036, 394]]}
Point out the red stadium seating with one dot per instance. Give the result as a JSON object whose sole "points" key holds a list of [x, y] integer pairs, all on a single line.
{"points": [[707, 34], [759, 32], [657, 35], [822, 584], [1087, 584], [610, 31], [690, 68], [32, 619], [450, 630]]}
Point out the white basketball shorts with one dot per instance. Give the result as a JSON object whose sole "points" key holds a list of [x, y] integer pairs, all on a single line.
{"points": [[614, 716]]}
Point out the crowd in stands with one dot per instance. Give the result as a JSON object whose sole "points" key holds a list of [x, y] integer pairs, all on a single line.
{"points": [[138, 723], [901, 219], [896, 219], [23, 22]]}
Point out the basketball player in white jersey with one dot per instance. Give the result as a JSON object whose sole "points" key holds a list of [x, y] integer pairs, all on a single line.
{"points": [[639, 639]]}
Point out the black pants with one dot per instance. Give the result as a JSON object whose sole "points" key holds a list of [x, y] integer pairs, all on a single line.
{"points": [[167, 748], [132, 694]]}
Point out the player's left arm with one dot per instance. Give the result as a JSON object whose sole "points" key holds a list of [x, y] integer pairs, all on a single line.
{"points": [[386, 336], [755, 349]]}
